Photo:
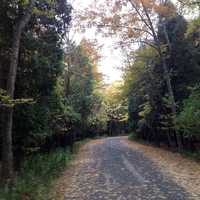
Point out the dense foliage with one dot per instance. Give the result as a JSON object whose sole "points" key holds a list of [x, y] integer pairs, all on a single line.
{"points": [[150, 116], [116, 108], [56, 97], [162, 49]]}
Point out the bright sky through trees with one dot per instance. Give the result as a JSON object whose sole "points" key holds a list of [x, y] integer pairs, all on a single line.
{"points": [[111, 55]]}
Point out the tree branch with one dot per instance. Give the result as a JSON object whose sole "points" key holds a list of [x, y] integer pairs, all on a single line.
{"points": [[123, 26], [140, 15]]}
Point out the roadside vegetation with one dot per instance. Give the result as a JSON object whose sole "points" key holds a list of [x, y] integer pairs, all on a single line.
{"points": [[36, 176]]}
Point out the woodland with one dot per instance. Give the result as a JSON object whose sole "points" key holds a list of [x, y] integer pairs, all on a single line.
{"points": [[52, 93]]}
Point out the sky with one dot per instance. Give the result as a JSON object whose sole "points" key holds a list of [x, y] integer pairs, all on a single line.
{"points": [[111, 59]]}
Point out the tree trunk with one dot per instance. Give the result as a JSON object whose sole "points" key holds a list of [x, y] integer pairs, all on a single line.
{"points": [[172, 99], [66, 82], [7, 154], [149, 24], [191, 144], [170, 90], [175, 139], [169, 138]]}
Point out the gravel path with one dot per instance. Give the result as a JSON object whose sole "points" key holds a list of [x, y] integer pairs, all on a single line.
{"points": [[110, 170]]}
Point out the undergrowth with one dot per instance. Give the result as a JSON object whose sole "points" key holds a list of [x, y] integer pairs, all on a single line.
{"points": [[195, 155], [133, 136], [36, 177]]}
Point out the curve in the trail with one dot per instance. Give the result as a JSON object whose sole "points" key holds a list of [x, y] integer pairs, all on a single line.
{"points": [[110, 170]]}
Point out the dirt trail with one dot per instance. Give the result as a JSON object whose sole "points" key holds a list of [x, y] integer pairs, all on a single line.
{"points": [[115, 169]]}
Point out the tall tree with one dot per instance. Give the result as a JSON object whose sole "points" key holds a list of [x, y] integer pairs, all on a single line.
{"points": [[52, 16], [18, 27]]}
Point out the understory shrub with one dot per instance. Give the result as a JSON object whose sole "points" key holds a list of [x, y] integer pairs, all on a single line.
{"points": [[36, 176], [132, 136]]}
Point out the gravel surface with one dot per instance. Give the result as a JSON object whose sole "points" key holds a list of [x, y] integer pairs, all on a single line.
{"points": [[110, 170]]}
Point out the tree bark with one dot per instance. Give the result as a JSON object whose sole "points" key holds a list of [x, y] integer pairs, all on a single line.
{"points": [[169, 138], [7, 153]]}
